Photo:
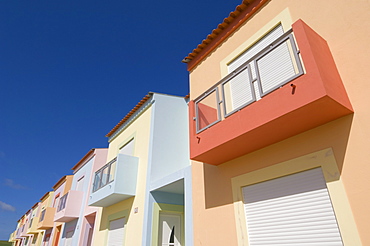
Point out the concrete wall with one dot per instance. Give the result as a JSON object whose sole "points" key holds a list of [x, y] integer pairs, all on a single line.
{"points": [[169, 146]]}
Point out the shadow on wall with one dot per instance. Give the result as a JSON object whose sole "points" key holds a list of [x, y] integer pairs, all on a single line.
{"points": [[118, 210], [217, 179]]}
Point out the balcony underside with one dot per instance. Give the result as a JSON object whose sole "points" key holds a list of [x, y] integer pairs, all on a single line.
{"points": [[123, 185], [313, 99], [110, 200]]}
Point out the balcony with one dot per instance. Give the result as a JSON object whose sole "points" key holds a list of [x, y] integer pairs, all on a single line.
{"points": [[32, 227], [69, 206], [18, 234], [268, 98], [46, 220], [115, 182], [24, 230]]}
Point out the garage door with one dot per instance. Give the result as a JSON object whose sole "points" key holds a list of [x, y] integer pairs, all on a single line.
{"points": [[291, 210], [116, 232]]}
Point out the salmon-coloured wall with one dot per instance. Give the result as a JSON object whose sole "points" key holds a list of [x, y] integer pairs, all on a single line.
{"points": [[345, 26], [206, 115]]}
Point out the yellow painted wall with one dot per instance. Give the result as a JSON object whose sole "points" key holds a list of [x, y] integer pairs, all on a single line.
{"points": [[47, 201], [345, 26], [140, 130]]}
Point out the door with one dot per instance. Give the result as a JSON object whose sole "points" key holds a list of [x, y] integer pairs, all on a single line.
{"points": [[57, 236], [170, 229], [116, 233]]}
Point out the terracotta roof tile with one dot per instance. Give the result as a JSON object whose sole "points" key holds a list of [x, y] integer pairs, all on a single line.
{"points": [[61, 181], [88, 154], [138, 105], [223, 30]]}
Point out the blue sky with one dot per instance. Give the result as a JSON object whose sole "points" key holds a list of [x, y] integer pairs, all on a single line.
{"points": [[70, 70]]}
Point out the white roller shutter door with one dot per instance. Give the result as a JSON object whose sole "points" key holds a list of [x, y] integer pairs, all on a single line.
{"points": [[116, 232], [291, 210]]}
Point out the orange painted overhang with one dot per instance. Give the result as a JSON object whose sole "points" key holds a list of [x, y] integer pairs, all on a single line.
{"points": [[319, 97]]}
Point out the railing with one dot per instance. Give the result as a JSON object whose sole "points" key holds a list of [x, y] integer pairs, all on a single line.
{"points": [[62, 202], [104, 175], [272, 67]]}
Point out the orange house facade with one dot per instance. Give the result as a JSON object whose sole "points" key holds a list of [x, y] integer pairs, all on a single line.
{"points": [[277, 118]]}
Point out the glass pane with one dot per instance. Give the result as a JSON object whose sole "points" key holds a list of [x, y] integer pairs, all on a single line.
{"points": [[104, 178], [276, 67], [96, 185], [207, 111], [42, 215], [238, 91], [112, 171], [62, 203]]}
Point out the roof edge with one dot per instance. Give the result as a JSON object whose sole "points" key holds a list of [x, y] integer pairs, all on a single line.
{"points": [[236, 18], [83, 159], [127, 116], [61, 181]]}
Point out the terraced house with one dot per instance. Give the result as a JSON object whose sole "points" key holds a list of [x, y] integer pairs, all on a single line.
{"points": [[145, 186], [271, 146], [136, 192], [278, 110]]}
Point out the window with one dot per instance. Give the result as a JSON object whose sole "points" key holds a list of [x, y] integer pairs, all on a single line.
{"points": [[56, 201], [30, 223], [267, 65], [42, 216], [262, 68], [79, 185], [105, 175], [128, 148], [62, 202]]}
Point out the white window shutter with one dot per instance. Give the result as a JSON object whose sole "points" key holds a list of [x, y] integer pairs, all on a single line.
{"points": [[240, 86], [275, 68], [257, 47]]}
